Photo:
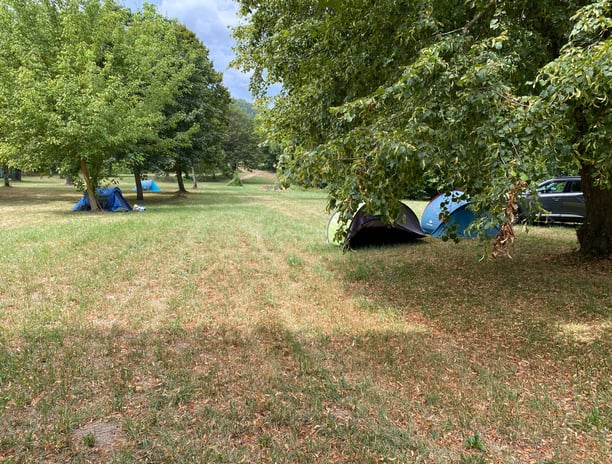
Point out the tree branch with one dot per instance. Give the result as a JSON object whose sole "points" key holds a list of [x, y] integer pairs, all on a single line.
{"points": [[478, 16]]}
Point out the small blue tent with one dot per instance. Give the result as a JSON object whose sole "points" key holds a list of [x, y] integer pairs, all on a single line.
{"points": [[460, 216], [110, 199], [149, 185]]}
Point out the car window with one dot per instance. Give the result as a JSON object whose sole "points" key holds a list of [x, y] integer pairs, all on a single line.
{"points": [[575, 186], [552, 187]]}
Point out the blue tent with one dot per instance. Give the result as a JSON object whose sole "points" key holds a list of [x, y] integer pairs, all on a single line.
{"points": [[110, 199], [149, 185], [460, 216]]}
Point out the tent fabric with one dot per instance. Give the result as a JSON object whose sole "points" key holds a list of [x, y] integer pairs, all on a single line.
{"points": [[149, 185], [110, 199], [369, 230], [460, 216]]}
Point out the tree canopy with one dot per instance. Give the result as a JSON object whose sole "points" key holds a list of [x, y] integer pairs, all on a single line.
{"points": [[196, 120], [240, 144], [84, 83], [486, 96]]}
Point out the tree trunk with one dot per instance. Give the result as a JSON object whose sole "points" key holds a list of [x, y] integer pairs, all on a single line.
{"points": [[5, 175], [179, 178], [194, 179], [138, 182], [91, 191], [595, 234]]}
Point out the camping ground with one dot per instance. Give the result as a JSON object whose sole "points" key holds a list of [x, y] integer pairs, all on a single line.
{"points": [[218, 326]]}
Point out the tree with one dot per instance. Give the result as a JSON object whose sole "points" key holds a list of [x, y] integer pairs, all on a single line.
{"points": [[6, 66], [246, 107], [13, 56], [157, 151], [574, 102], [239, 143], [378, 94], [90, 79], [195, 121]]}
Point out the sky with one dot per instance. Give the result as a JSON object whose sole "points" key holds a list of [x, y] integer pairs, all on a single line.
{"points": [[211, 21]]}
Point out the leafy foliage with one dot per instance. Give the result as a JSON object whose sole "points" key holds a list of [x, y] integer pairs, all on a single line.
{"points": [[196, 120], [87, 82], [381, 96], [240, 147]]}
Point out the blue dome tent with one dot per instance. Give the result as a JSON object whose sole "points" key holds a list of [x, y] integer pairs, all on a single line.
{"points": [[110, 199], [149, 185], [460, 216]]}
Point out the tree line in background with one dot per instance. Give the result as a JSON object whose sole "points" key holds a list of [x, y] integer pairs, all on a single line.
{"points": [[88, 87], [382, 97]]}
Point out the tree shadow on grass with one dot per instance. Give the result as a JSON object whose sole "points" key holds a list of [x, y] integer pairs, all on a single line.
{"points": [[177, 393], [223, 394], [519, 304]]}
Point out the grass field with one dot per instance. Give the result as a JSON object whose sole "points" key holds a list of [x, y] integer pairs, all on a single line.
{"points": [[219, 327]]}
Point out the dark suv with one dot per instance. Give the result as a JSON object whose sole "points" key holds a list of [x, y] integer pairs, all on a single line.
{"points": [[561, 200]]}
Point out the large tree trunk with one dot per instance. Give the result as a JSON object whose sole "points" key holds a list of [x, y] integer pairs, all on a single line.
{"points": [[138, 182], [91, 191], [595, 234], [179, 178]]}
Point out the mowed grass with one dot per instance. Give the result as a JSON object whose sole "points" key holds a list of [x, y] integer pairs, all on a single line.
{"points": [[219, 327]]}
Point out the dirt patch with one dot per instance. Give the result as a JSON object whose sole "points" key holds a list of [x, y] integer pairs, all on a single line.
{"points": [[100, 435], [265, 175]]}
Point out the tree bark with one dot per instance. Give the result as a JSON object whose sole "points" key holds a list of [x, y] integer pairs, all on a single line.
{"points": [[91, 191], [138, 182], [5, 175], [595, 234], [179, 178], [194, 183]]}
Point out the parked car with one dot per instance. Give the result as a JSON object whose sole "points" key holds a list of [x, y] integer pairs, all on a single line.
{"points": [[560, 200]]}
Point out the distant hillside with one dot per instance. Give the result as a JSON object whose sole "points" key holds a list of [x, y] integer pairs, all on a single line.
{"points": [[246, 106]]}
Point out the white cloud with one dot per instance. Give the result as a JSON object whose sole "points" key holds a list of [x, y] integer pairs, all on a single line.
{"points": [[222, 11]]}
